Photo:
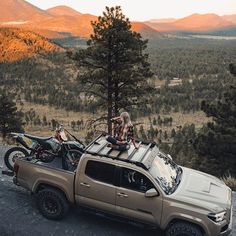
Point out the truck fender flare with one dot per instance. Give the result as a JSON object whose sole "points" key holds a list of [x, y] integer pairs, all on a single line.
{"points": [[184, 218], [41, 185]]}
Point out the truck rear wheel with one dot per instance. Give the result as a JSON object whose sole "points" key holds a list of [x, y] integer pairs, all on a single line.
{"points": [[183, 229], [52, 203]]}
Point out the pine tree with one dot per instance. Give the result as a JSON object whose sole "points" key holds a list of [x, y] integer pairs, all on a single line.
{"points": [[45, 123], [151, 133], [73, 124], [115, 65], [54, 123], [142, 133], [173, 133], [182, 148], [154, 121], [217, 140], [10, 118], [165, 135]]}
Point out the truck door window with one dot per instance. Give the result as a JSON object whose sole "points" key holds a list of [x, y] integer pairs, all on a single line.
{"points": [[134, 180], [100, 171]]}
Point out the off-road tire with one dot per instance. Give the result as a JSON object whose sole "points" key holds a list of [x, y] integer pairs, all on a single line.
{"points": [[7, 156], [183, 229], [52, 203]]}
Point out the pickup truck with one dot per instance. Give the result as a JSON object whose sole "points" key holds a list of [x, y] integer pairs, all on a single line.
{"points": [[142, 184]]}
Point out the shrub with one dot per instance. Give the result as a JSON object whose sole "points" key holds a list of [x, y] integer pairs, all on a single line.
{"points": [[230, 181]]}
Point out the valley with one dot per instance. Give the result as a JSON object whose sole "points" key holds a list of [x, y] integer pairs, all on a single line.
{"points": [[49, 83], [189, 59]]}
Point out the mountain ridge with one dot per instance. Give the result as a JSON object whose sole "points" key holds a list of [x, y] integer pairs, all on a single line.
{"points": [[231, 18], [20, 10], [63, 21], [195, 22], [17, 44], [63, 10]]}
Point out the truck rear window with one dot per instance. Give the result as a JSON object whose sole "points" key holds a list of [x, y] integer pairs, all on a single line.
{"points": [[100, 171]]}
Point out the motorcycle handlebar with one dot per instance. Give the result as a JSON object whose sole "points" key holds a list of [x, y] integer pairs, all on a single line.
{"points": [[73, 137]]}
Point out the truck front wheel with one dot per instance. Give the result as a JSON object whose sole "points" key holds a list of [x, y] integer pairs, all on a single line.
{"points": [[52, 203], [183, 229]]}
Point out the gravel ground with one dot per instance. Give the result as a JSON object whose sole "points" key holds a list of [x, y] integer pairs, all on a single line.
{"points": [[19, 216]]}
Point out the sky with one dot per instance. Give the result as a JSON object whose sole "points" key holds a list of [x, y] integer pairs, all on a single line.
{"points": [[142, 10]]}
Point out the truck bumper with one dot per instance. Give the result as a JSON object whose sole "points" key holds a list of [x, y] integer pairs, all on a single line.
{"points": [[229, 229], [227, 232]]}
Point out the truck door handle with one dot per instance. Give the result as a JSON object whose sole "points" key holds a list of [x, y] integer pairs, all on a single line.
{"points": [[122, 195], [85, 185]]}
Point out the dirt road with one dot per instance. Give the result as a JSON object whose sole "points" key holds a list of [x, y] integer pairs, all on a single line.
{"points": [[20, 217]]}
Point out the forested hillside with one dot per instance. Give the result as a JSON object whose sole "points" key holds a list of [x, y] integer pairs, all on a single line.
{"points": [[48, 80], [191, 70], [16, 44], [186, 71], [200, 68]]}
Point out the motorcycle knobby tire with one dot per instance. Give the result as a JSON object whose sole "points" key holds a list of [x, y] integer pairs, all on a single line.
{"points": [[8, 159]]}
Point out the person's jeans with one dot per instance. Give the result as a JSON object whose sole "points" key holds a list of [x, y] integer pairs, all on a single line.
{"points": [[120, 147]]}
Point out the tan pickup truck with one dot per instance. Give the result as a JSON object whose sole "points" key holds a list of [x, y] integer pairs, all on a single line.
{"points": [[141, 184]]}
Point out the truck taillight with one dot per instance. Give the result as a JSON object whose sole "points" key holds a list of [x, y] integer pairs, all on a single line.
{"points": [[15, 168]]}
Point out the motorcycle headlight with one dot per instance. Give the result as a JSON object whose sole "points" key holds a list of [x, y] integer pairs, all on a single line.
{"points": [[217, 217]]}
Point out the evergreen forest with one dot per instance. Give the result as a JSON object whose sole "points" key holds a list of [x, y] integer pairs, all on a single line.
{"points": [[188, 76]]}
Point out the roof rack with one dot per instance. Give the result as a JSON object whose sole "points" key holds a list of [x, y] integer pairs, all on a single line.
{"points": [[134, 151], [142, 156]]}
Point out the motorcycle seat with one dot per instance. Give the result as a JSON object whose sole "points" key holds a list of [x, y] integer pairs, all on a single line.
{"points": [[36, 138]]}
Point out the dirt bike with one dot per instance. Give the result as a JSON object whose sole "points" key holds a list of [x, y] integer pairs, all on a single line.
{"points": [[46, 149]]}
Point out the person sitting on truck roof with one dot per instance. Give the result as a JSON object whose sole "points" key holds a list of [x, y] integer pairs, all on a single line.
{"points": [[123, 132]]}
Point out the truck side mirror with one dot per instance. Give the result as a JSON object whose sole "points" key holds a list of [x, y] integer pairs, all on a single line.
{"points": [[151, 193]]}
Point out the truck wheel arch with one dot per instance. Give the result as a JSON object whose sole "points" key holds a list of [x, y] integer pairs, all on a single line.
{"points": [[175, 220], [41, 186]]}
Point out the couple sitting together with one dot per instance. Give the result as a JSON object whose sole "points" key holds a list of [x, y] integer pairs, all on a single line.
{"points": [[123, 133]]}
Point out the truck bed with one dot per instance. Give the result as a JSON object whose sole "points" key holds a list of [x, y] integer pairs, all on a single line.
{"points": [[33, 174]]}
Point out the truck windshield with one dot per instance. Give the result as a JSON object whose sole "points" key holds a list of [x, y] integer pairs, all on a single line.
{"points": [[166, 172]]}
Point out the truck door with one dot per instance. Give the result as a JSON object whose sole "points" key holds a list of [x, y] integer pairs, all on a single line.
{"points": [[95, 186], [131, 200]]}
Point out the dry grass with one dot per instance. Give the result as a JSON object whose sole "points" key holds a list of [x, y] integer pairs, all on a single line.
{"points": [[179, 119], [52, 113], [65, 117], [62, 116], [158, 83], [230, 181], [198, 118]]}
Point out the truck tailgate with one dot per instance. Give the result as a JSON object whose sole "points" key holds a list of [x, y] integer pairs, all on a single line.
{"points": [[32, 174]]}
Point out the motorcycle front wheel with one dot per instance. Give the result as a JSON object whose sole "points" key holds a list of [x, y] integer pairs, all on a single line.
{"points": [[12, 154], [70, 159]]}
